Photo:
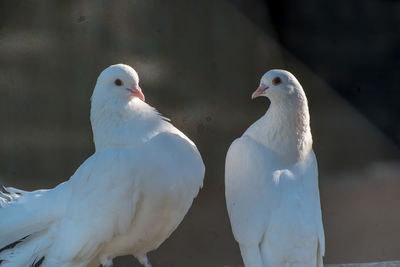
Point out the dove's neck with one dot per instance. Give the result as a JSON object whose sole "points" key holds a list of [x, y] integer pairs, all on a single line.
{"points": [[285, 129], [121, 123]]}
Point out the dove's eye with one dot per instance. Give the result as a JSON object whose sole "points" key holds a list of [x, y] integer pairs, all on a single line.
{"points": [[276, 81], [118, 82]]}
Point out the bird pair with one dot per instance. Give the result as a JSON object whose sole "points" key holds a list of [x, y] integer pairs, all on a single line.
{"points": [[132, 193]]}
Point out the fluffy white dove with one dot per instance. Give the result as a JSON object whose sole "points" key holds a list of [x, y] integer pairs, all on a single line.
{"points": [[271, 182], [127, 198]]}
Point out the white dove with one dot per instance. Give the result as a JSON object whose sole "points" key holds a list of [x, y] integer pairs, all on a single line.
{"points": [[127, 198], [271, 182]]}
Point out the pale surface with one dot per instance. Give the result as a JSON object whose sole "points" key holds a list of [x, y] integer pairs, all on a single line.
{"points": [[369, 264]]}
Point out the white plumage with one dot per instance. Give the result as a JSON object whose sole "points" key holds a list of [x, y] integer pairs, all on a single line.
{"points": [[271, 182], [127, 198]]}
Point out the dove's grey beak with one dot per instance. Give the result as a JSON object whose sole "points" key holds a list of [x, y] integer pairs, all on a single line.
{"points": [[259, 91], [137, 91]]}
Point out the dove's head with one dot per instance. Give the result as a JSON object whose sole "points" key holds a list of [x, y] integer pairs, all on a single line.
{"points": [[278, 84], [117, 82]]}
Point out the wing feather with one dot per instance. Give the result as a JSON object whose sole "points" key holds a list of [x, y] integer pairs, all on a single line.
{"points": [[248, 178]]}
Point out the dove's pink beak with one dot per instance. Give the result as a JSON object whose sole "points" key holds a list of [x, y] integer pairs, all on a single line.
{"points": [[259, 91], [136, 91]]}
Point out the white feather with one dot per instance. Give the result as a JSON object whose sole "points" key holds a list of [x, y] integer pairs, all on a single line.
{"points": [[271, 182], [127, 198]]}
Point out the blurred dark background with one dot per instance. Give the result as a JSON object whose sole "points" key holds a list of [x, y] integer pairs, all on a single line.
{"points": [[199, 62]]}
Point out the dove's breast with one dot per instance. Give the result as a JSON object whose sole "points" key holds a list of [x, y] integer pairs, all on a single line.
{"points": [[169, 175]]}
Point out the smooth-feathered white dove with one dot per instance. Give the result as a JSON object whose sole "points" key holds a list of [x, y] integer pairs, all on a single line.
{"points": [[127, 198], [271, 182]]}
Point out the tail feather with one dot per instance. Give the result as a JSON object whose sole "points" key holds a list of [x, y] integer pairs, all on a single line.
{"points": [[20, 215], [12, 245], [9, 194], [29, 251], [25, 220], [37, 263], [23, 213]]}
